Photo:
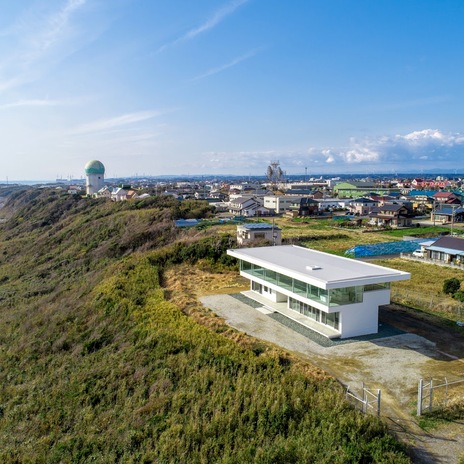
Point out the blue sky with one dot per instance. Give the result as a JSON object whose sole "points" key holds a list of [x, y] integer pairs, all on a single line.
{"points": [[155, 87]]}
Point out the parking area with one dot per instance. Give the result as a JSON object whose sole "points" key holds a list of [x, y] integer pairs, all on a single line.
{"points": [[394, 360]]}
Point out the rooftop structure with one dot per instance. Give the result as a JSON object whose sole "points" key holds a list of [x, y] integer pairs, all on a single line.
{"points": [[94, 167]]}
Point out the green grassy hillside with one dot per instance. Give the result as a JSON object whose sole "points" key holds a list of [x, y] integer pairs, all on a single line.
{"points": [[98, 365]]}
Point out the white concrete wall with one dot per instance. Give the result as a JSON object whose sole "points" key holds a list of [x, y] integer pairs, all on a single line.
{"points": [[279, 203], [362, 318], [245, 235], [284, 202], [270, 203], [281, 298], [363, 321]]}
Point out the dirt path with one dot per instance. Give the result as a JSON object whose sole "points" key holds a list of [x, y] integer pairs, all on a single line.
{"points": [[393, 364]]}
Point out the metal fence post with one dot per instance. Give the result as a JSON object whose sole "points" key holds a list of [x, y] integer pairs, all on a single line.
{"points": [[431, 395], [446, 392], [419, 397], [378, 402]]}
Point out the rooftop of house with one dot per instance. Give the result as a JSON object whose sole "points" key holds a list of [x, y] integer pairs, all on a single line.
{"points": [[448, 210], [422, 193], [448, 245], [293, 192], [259, 226], [383, 198], [356, 184], [241, 200], [308, 201], [392, 207], [321, 269], [364, 200], [443, 194]]}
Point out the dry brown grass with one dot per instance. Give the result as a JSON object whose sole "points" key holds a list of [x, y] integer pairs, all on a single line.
{"points": [[324, 235], [184, 284], [426, 278], [425, 288]]}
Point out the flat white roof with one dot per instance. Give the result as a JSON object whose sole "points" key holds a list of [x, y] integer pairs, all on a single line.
{"points": [[318, 268]]}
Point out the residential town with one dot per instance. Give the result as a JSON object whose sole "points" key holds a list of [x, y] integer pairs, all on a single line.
{"points": [[370, 201]]}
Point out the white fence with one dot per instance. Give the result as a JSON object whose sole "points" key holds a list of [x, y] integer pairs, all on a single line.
{"points": [[367, 402], [431, 395], [423, 300]]}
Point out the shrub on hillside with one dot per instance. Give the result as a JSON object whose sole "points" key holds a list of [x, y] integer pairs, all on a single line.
{"points": [[459, 295], [451, 286]]}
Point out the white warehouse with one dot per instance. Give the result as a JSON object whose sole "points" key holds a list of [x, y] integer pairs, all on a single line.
{"points": [[335, 296]]}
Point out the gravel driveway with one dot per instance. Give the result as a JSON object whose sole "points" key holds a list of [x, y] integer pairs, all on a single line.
{"points": [[394, 361]]}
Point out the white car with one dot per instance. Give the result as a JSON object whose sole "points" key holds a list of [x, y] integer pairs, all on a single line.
{"points": [[418, 253]]}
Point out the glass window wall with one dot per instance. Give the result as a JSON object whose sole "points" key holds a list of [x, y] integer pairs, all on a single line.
{"points": [[332, 319], [256, 287], [335, 297], [300, 288], [285, 282], [373, 287], [347, 295], [271, 277]]}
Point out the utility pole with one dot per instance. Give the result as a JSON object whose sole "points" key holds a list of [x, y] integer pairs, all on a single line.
{"points": [[433, 211], [274, 233]]}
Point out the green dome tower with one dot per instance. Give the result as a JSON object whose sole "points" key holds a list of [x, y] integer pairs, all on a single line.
{"points": [[95, 176]]}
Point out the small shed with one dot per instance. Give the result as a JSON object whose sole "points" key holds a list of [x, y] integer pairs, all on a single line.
{"points": [[254, 232]]}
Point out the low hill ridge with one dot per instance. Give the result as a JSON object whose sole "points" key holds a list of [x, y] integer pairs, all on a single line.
{"points": [[97, 365]]}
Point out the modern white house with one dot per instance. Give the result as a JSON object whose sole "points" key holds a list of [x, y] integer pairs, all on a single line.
{"points": [[334, 296]]}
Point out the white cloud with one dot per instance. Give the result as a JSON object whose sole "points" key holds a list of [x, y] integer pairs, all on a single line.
{"points": [[232, 63], [210, 23], [422, 149], [56, 27], [111, 123], [424, 136], [36, 103], [40, 40], [215, 19]]}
